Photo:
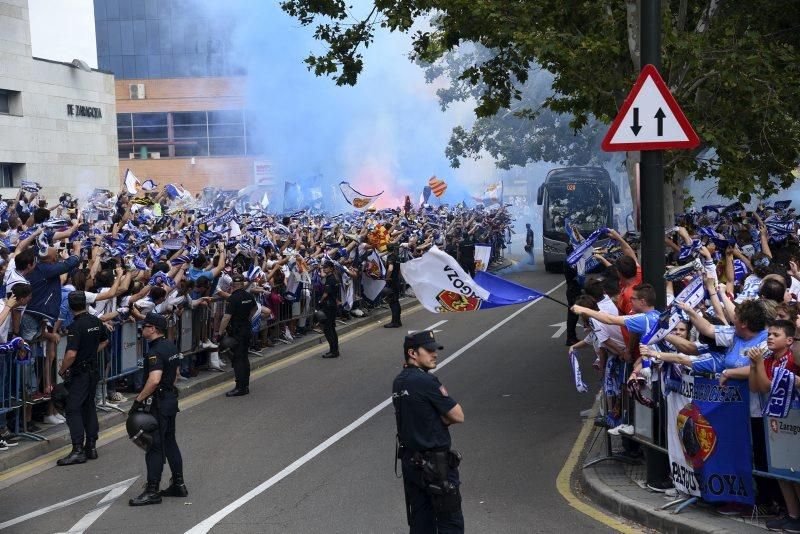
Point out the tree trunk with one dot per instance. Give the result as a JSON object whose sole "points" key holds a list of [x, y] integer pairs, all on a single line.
{"points": [[632, 166], [632, 8], [674, 197]]}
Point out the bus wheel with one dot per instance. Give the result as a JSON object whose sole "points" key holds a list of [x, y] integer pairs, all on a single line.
{"points": [[552, 267]]}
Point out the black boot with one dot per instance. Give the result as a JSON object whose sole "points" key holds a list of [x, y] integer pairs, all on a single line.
{"points": [[238, 392], [176, 488], [90, 450], [150, 495], [77, 456]]}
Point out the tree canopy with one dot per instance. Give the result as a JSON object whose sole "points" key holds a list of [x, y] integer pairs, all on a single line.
{"points": [[734, 68]]}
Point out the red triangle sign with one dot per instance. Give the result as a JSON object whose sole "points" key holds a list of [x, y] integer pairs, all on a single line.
{"points": [[650, 119]]}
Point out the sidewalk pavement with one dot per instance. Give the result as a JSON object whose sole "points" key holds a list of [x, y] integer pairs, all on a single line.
{"points": [[58, 435], [619, 488]]}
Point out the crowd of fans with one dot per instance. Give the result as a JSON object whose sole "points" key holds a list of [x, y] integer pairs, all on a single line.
{"points": [[744, 327], [166, 250]]}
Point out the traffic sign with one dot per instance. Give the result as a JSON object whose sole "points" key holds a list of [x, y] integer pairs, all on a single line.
{"points": [[650, 119]]}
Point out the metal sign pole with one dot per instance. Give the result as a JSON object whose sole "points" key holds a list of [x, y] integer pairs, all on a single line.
{"points": [[652, 167]]}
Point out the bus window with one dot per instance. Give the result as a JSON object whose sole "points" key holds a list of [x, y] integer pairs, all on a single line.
{"points": [[587, 206]]}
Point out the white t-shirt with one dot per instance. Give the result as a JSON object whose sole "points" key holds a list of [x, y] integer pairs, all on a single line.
{"points": [[607, 332], [101, 308], [5, 326]]}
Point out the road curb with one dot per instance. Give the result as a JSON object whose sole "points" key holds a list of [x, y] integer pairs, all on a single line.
{"points": [[58, 436], [690, 521]]}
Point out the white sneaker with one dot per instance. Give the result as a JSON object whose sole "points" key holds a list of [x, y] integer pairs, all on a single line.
{"points": [[287, 334], [52, 420], [209, 345], [3, 445], [182, 378], [615, 431], [60, 417], [628, 430]]}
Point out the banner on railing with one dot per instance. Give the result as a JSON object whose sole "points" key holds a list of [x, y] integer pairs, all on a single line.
{"points": [[708, 425], [783, 444]]}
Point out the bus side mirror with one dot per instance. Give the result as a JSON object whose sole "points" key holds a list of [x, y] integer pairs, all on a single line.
{"points": [[615, 192], [540, 195]]}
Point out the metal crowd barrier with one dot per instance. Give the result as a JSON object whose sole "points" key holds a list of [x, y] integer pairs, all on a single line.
{"points": [[123, 357]]}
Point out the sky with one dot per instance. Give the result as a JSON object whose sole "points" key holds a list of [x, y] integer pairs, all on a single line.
{"points": [[63, 30]]}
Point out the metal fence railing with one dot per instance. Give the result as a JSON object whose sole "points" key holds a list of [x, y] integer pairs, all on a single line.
{"points": [[26, 383]]}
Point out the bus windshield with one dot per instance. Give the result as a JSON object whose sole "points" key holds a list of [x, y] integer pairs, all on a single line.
{"points": [[587, 205]]}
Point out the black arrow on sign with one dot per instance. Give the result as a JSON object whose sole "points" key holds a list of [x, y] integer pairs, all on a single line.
{"points": [[660, 116], [635, 128]]}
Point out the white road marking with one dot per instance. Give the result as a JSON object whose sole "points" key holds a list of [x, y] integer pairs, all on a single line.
{"points": [[431, 327], [113, 491], [209, 523], [89, 519], [562, 327]]}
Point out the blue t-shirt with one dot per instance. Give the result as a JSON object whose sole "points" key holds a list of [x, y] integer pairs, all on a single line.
{"points": [[196, 274], [709, 360], [640, 323], [736, 355]]}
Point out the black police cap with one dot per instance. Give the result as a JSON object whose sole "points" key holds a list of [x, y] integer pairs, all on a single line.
{"points": [[157, 320], [422, 339], [76, 300]]}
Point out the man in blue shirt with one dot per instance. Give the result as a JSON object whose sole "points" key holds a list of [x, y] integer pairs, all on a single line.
{"points": [[644, 317], [197, 270]]}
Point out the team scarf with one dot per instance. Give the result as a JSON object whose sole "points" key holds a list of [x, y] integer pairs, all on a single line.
{"points": [[18, 347], [611, 380], [161, 278], [781, 393], [719, 240], [576, 371], [693, 294], [682, 271], [30, 186], [584, 250], [779, 230], [689, 251]]}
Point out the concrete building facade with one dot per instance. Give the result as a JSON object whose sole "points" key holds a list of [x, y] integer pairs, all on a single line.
{"points": [[57, 120]]}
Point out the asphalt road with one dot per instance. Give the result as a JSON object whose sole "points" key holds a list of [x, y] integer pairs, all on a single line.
{"points": [[265, 463]]}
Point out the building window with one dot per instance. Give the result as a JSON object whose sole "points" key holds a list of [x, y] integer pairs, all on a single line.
{"points": [[6, 175], [183, 134], [10, 102]]}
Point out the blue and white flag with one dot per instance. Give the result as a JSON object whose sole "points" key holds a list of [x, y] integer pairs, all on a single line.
{"points": [[576, 371], [693, 294], [584, 250], [441, 285], [779, 230]]}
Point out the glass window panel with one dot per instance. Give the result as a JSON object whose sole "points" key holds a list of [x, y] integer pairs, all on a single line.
{"points": [[153, 39], [140, 37], [184, 132], [199, 148], [123, 119], [138, 10], [141, 67], [161, 149], [143, 133], [228, 146], [126, 33], [128, 67], [4, 107], [99, 10], [114, 38], [183, 118], [151, 9], [149, 119], [112, 9], [116, 66], [125, 12], [225, 117], [125, 133], [226, 130]]}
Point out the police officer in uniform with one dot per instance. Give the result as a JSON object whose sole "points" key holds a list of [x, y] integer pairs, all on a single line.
{"points": [[159, 397], [424, 411], [393, 284], [329, 302], [79, 369], [239, 308]]}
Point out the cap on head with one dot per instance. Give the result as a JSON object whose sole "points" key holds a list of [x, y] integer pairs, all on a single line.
{"points": [[77, 301], [422, 339], [157, 320]]}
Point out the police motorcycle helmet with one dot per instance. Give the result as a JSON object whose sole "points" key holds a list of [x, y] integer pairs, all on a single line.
{"points": [[141, 426], [59, 397], [227, 343], [319, 316]]}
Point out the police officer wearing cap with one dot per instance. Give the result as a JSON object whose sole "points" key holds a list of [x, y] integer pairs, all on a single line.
{"points": [[424, 411], [159, 397], [239, 308], [329, 303], [85, 337]]}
